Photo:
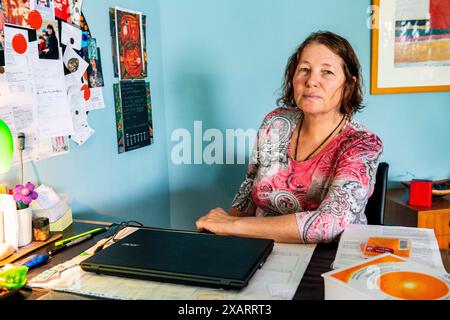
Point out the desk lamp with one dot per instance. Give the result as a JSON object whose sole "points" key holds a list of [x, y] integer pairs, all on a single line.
{"points": [[6, 147]]}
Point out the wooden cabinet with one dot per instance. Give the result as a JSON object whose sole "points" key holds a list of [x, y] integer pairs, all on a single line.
{"points": [[437, 217]]}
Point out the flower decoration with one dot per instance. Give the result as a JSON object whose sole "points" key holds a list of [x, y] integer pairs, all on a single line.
{"points": [[23, 195]]}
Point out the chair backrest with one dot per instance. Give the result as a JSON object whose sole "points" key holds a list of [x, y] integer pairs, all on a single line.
{"points": [[377, 201]]}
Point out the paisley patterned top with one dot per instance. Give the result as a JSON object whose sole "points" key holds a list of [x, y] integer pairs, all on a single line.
{"points": [[326, 192]]}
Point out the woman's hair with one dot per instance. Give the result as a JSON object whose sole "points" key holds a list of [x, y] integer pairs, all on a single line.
{"points": [[353, 95], [49, 26]]}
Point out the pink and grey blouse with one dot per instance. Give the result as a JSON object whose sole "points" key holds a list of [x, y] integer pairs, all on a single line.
{"points": [[326, 192]]}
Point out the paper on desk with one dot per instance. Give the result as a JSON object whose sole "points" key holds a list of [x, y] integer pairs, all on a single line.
{"points": [[277, 279], [424, 246]]}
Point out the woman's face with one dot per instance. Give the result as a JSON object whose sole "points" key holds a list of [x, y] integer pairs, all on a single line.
{"points": [[319, 80]]}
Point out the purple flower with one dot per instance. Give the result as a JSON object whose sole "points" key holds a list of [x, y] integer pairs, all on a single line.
{"points": [[23, 195]]}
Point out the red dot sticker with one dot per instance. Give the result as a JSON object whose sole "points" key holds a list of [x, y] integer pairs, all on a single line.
{"points": [[19, 43], [35, 19], [87, 92]]}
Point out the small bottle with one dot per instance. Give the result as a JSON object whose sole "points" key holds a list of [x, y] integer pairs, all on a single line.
{"points": [[41, 229]]}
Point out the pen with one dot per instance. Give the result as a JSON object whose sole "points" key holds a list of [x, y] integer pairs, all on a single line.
{"points": [[93, 232], [71, 243]]}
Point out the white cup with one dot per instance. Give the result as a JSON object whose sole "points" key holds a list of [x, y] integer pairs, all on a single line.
{"points": [[25, 218]]}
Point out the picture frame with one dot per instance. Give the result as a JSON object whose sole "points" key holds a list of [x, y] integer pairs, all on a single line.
{"points": [[410, 46]]}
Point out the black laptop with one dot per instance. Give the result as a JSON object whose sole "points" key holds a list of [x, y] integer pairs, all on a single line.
{"points": [[183, 257]]}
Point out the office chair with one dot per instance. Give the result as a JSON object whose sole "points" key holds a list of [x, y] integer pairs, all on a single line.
{"points": [[377, 201]]}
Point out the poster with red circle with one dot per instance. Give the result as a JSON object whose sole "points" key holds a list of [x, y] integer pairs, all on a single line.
{"points": [[130, 45]]}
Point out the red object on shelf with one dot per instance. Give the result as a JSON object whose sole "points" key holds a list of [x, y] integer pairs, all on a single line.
{"points": [[420, 193]]}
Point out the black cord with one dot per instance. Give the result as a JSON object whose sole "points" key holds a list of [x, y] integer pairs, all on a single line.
{"points": [[119, 227], [21, 166]]}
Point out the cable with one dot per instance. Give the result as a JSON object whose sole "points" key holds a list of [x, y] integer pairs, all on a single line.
{"points": [[21, 139], [21, 167], [119, 227]]}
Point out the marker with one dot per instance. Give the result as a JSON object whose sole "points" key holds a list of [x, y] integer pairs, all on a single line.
{"points": [[71, 244], [93, 232], [36, 260]]}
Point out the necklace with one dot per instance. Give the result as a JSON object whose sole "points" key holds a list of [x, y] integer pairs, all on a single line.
{"points": [[328, 137]]}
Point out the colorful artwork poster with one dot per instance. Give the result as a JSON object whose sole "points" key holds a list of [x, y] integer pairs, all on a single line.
{"points": [[48, 40], [133, 115], [93, 76], [16, 12], [129, 45], [94, 71], [112, 19], [46, 9], [62, 9], [2, 37], [422, 33]]}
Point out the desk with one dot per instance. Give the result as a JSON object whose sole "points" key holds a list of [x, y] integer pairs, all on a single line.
{"points": [[311, 286], [77, 227]]}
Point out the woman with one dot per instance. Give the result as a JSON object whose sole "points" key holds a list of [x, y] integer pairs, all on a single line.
{"points": [[52, 52], [313, 167]]}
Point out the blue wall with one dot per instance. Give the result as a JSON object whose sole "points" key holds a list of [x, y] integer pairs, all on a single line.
{"points": [[102, 184], [223, 64]]}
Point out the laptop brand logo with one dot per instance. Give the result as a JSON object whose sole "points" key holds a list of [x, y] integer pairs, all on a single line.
{"points": [[126, 244]]}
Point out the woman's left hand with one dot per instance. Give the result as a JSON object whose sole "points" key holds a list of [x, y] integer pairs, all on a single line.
{"points": [[217, 221]]}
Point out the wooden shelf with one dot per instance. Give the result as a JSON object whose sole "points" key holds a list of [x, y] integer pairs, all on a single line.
{"points": [[436, 217]]}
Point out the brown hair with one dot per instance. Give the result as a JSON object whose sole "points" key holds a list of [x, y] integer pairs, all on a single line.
{"points": [[353, 95]]}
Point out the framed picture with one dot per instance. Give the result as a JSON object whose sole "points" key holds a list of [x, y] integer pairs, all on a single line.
{"points": [[410, 46]]}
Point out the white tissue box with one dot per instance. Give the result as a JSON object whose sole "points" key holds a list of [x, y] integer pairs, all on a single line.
{"points": [[55, 212]]}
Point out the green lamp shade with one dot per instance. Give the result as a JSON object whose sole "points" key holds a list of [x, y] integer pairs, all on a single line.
{"points": [[6, 147]]}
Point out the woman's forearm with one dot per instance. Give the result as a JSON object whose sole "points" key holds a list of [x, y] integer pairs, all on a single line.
{"points": [[282, 229]]}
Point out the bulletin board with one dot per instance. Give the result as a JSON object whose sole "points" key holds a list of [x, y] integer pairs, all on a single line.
{"points": [[50, 75]]}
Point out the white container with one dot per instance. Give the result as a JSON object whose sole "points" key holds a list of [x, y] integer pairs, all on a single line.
{"points": [[25, 232]]}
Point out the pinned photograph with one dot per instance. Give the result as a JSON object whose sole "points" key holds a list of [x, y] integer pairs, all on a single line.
{"points": [[92, 48], [46, 9], [75, 11], [62, 10], [73, 64], [16, 12], [48, 42], [95, 75]]}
